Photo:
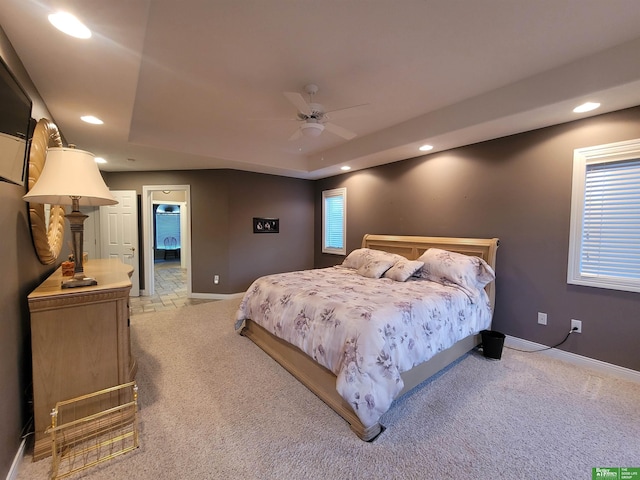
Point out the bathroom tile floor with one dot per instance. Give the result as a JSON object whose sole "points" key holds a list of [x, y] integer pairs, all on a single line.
{"points": [[170, 290]]}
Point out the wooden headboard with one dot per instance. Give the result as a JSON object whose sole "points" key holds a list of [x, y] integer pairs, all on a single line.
{"points": [[412, 247]]}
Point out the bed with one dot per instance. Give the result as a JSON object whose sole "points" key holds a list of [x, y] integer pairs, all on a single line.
{"points": [[392, 331]]}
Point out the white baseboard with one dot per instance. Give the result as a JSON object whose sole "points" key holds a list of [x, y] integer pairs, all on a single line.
{"points": [[586, 362], [13, 471]]}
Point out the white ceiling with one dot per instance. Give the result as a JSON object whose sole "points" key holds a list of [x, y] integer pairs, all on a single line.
{"points": [[199, 84]]}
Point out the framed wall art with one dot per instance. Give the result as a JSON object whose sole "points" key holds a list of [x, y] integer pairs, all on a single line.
{"points": [[266, 225]]}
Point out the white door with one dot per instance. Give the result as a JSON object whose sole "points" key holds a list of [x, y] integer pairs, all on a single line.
{"points": [[119, 227]]}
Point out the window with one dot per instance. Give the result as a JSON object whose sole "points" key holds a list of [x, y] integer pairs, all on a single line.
{"points": [[334, 221], [167, 225], [604, 244]]}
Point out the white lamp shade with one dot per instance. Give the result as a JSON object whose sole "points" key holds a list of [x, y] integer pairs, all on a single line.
{"points": [[67, 173]]}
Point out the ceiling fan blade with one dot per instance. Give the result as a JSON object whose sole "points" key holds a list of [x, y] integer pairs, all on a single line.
{"points": [[340, 131], [347, 111], [296, 135], [299, 102], [273, 119]]}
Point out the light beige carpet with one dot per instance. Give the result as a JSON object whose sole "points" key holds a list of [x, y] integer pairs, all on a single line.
{"points": [[214, 406]]}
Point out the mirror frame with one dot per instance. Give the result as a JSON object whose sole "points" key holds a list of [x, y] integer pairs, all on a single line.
{"points": [[47, 235]]}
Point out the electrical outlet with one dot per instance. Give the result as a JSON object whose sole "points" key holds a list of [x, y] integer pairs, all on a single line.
{"points": [[216, 279], [542, 318], [576, 324]]}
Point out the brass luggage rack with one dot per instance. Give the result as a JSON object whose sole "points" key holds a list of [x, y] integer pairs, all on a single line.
{"points": [[93, 428]]}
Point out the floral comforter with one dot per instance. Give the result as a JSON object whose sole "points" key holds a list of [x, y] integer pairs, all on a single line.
{"points": [[366, 331]]}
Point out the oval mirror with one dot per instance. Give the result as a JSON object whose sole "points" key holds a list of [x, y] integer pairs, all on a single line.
{"points": [[47, 222]]}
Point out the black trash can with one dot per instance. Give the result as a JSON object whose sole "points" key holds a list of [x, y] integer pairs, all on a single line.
{"points": [[492, 343]]}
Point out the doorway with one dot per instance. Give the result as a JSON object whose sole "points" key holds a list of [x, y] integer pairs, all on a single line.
{"points": [[152, 195]]}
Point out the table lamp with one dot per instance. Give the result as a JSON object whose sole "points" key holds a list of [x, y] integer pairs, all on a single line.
{"points": [[71, 177]]}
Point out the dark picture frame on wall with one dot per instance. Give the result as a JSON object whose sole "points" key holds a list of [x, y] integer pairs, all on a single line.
{"points": [[266, 225], [16, 127]]}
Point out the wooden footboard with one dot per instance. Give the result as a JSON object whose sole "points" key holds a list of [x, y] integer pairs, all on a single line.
{"points": [[314, 376], [322, 381]]}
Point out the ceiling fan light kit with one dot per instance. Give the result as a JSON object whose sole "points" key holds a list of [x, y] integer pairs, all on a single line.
{"points": [[310, 129], [314, 117]]}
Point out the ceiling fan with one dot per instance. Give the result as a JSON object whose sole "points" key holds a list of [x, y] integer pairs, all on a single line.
{"points": [[314, 118]]}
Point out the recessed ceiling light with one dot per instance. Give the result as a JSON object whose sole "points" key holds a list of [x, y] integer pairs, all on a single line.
{"points": [[67, 23], [100, 160], [586, 107], [91, 119], [345, 168], [426, 148]]}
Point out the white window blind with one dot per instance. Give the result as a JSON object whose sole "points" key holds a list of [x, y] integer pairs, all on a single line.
{"points": [[334, 207], [604, 247], [611, 232]]}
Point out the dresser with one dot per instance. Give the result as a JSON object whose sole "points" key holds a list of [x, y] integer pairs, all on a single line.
{"points": [[79, 339]]}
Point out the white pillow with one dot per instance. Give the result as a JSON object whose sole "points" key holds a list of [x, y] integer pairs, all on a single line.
{"points": [[468, 272], [373, 263], [376, 266], [357, 258], [361, 256], [403, 269]]}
